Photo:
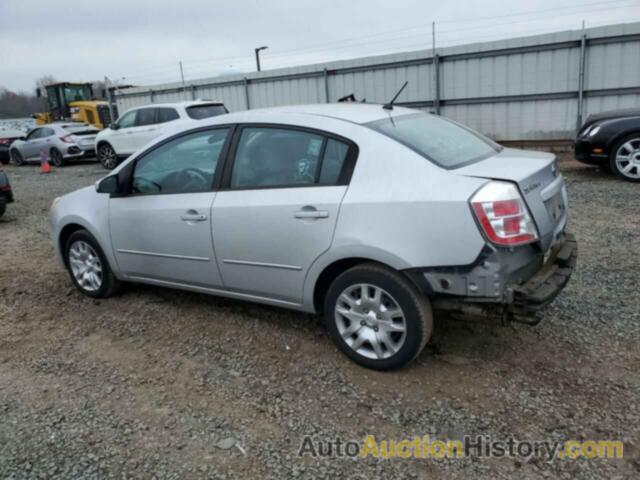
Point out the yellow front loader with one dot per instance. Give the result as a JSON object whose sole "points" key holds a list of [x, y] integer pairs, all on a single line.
{"points": [[74, 102]]}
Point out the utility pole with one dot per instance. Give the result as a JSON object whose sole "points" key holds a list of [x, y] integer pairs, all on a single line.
{"points": [[181, 74], [257, 50]]}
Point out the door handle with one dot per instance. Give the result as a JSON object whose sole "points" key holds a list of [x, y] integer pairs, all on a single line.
{"points": [[193, 216], [311, 212]]}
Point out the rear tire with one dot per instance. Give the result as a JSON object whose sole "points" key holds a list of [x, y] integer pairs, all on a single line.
{"points": [[107, 156], [16, 156], [57, 159], [88, 267], [377, 317], [624, 158]]}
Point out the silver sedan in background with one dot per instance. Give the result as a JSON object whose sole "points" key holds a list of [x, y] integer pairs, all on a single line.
{"points": [[60, 142], [374, 216]]}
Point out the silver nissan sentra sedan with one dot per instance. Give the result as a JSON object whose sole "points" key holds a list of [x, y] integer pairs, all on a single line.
{"points": [[374, 217]]}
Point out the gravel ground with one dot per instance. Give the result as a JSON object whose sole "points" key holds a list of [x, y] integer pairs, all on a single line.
{"points": [[167, 384]]}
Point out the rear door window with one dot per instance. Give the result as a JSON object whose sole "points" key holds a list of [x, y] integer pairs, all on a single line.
{"points": [[165, 114], [198, 112], [146, 116], [335, 155], [278, 157]]}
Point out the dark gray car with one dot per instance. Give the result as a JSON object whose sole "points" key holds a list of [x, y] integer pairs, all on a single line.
{"points": [[6, 194]]}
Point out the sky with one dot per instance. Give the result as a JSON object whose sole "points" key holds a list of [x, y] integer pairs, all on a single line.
{"points": [[141, 42]]}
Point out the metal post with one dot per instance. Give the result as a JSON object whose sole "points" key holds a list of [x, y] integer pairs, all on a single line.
{"points": [[583, 54], [434, 66], [246, 93], [109, 98], [436, 97], [258, 59], [326, 86], [181, 74], [151, 95], [193, 92]]}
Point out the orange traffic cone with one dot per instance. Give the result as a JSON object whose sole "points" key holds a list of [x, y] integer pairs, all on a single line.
{"points": [[44, 162]]}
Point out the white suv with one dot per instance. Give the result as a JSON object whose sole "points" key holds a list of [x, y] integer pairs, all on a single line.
{"points": [[140, 125]]}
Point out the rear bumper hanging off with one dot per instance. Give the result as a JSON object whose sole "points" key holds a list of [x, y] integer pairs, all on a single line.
{"points": [[547, 283]]}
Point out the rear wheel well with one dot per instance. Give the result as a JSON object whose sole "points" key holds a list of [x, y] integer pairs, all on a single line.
{"points": [[66, 232], [330, 273]]}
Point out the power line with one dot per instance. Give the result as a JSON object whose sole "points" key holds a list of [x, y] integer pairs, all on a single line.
{"points": [[404, 30]]}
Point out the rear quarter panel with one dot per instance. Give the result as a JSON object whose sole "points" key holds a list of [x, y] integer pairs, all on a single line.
{"points": [[403, 211]]}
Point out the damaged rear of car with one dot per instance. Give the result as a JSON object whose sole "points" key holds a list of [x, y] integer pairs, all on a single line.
{"points": [[521, 211]]}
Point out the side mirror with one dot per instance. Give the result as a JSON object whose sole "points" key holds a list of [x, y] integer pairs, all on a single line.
{"points": [[108, 185], [114, 126]]}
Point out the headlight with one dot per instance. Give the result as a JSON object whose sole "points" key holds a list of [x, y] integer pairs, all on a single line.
{"points": [[74, 110], [593, 131], [54, 203]]}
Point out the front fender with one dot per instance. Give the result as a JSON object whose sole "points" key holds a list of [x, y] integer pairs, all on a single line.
{"points": [[89, 210]]}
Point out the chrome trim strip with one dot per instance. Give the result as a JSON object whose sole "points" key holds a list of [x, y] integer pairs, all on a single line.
{"points": [[260, 264], [164, 255]]}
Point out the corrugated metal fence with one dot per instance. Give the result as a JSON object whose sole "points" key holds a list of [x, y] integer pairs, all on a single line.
{"points": [[529, 88]]}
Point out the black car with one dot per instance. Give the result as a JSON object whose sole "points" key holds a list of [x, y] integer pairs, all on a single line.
{"points": [[7, 137], [612, 139], [6, 195]]}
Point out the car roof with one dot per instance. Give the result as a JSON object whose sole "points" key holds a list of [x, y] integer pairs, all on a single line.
{"points": [[185, 104], [350, 112]]}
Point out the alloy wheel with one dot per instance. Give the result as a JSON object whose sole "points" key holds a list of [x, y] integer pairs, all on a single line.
{"points": [[56, 158], [628, 159], [17, 157], [85, 266], [108, 157], [370, 321]]}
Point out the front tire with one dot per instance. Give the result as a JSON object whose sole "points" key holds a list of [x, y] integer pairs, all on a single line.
{"points": [[107, 156], [16, 156], [625, 158], [57, 159], [377, 317], [88, 266]]}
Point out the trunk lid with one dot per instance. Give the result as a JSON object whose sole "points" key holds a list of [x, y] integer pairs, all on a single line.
{"points": [[540, 184]]}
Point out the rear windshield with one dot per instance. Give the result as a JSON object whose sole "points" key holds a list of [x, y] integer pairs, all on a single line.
{"points": [[440, 140], [198, 112]]}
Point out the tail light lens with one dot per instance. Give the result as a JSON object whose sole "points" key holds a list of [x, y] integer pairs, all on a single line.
{"points": [[67, 139], [5, 141], [503, 215]]}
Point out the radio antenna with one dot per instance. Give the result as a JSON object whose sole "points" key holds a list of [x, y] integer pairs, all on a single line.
{"points": [[389, 106]]}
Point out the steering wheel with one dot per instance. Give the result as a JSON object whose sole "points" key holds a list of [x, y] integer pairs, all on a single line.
{"points": [[192, 179]]}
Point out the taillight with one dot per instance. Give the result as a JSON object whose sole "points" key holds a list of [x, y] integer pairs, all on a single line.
{"points": [[5, 141], [67, 139], [503, 215]]}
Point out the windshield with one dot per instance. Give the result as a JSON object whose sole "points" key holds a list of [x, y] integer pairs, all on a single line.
{"points": [[444, 142], [76, 93], [198, 112]]}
